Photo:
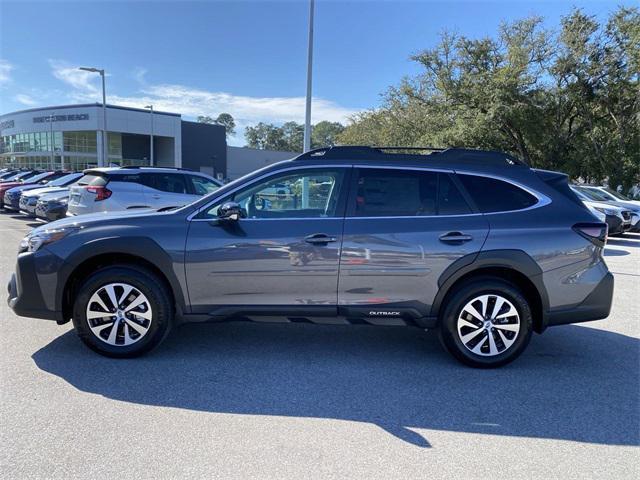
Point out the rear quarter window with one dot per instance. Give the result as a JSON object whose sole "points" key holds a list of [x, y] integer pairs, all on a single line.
{"points": [[493, 195]]}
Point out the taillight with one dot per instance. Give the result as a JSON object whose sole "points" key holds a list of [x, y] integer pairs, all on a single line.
{"points": [[101, 193], [594, 232]]}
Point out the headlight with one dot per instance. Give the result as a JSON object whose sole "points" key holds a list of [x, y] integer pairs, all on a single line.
{"points": [[607, 211], [32, 242]]}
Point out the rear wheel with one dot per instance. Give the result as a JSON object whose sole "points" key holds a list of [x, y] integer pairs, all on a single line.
{"points": [[123, 311], [486, 323]]}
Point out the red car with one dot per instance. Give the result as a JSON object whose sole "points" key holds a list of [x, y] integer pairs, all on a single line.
{"points": [[29, 179]]}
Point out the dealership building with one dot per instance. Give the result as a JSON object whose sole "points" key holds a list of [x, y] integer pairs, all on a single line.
{"points": [[69, 137]]}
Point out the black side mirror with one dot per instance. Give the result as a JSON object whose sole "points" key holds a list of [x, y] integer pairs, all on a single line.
{"points": [[231, 211]]}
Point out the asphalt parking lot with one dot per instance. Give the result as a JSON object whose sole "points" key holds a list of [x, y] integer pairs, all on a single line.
{"points": [[241, 400]]}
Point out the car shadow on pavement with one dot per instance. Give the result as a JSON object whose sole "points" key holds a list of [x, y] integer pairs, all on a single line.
{"points": [[609, 252], [573, 383]]}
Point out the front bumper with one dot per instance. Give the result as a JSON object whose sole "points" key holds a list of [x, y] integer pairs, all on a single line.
{"points": [[616, 224], [12, 203], [33, 275], [51, 212], [27, 209], [596, 306]]}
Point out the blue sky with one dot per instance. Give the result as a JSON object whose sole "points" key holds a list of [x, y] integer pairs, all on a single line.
{"points": [[246, 58]]}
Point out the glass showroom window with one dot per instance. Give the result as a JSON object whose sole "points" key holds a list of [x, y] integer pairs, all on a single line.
{"points": [[115, 144], [82, 142]]}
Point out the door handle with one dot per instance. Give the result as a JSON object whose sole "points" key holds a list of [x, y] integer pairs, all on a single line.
{"points": [[455, 237], [156, 196], [319, 238]]}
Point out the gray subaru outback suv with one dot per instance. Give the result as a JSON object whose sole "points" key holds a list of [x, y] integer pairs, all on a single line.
{"points": [[473, 243]]}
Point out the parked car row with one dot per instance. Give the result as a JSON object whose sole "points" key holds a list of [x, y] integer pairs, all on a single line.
{"points": [[620, 213], [52, 195]]}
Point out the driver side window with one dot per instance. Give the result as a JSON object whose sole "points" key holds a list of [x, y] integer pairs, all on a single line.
{"points": [[311, 193]]}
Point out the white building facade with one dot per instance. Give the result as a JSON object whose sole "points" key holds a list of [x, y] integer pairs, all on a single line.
{"points": [[69, 137]]}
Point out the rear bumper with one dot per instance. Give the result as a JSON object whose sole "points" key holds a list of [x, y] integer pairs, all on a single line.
{"points": [[596, 306]]}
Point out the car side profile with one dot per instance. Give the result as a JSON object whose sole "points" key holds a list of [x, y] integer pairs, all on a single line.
{"points": [[123, 188], [472, 243]]}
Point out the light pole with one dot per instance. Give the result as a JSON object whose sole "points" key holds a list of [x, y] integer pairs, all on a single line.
{"points": [[307, 116], [151, 161], [105, 147], [53, 148]]}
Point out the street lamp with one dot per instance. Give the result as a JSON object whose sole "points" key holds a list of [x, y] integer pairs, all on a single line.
{"points": [[307, 116], [150, 107], [105, 147]]}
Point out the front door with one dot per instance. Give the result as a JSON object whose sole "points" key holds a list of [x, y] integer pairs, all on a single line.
{"points": [[403, 229], [284, 253]]}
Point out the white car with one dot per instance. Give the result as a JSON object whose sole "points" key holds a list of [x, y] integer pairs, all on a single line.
{"points": [[612, 196], [123, 188], [29, 198], [631, 208]]}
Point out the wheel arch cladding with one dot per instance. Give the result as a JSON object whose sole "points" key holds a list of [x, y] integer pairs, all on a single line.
{"points": [[514, 266], [140, 251]]}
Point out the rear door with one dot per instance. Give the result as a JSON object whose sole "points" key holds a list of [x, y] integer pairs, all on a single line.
{"points": [[403, 228]]}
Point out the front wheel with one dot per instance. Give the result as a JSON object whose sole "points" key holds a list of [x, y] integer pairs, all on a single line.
{"points": [[487, 323], [122, 311]]}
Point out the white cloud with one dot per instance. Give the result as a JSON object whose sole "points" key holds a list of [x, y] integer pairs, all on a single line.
{"points": [[80, 80], [5, 72], [138, 75], [192, 102], [25, 100]]}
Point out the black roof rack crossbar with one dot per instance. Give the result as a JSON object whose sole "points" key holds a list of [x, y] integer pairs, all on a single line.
{"points": [[364, 152]]}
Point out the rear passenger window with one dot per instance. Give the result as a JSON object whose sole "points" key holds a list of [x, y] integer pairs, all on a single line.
{"points": [[395, 193], [450, 200], [492, 195], [202, 185], [166, 182]]}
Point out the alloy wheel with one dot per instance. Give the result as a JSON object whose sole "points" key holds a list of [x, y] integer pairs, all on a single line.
{"points": [[119, 314], [488, 325]]}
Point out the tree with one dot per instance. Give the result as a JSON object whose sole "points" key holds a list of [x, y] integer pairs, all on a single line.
{"points": [[565, 101], [290, 136], [325, 134], [224, 119], [227, 121]]}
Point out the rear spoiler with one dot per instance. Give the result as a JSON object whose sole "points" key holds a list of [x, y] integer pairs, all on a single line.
{"points": [[559, 182]]}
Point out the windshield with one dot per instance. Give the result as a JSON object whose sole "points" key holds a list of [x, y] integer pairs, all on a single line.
{"points": [[40, 176], [64, 180], [616, 195], [593, 194], [16, 176]]}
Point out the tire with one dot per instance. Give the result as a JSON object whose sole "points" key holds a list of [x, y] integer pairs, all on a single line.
{"points": [[490, 342], [143, 327]]}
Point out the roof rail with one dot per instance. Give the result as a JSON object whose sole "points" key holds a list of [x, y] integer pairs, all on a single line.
{"points": [[419, 149], [364, 152], [153, 166]]}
